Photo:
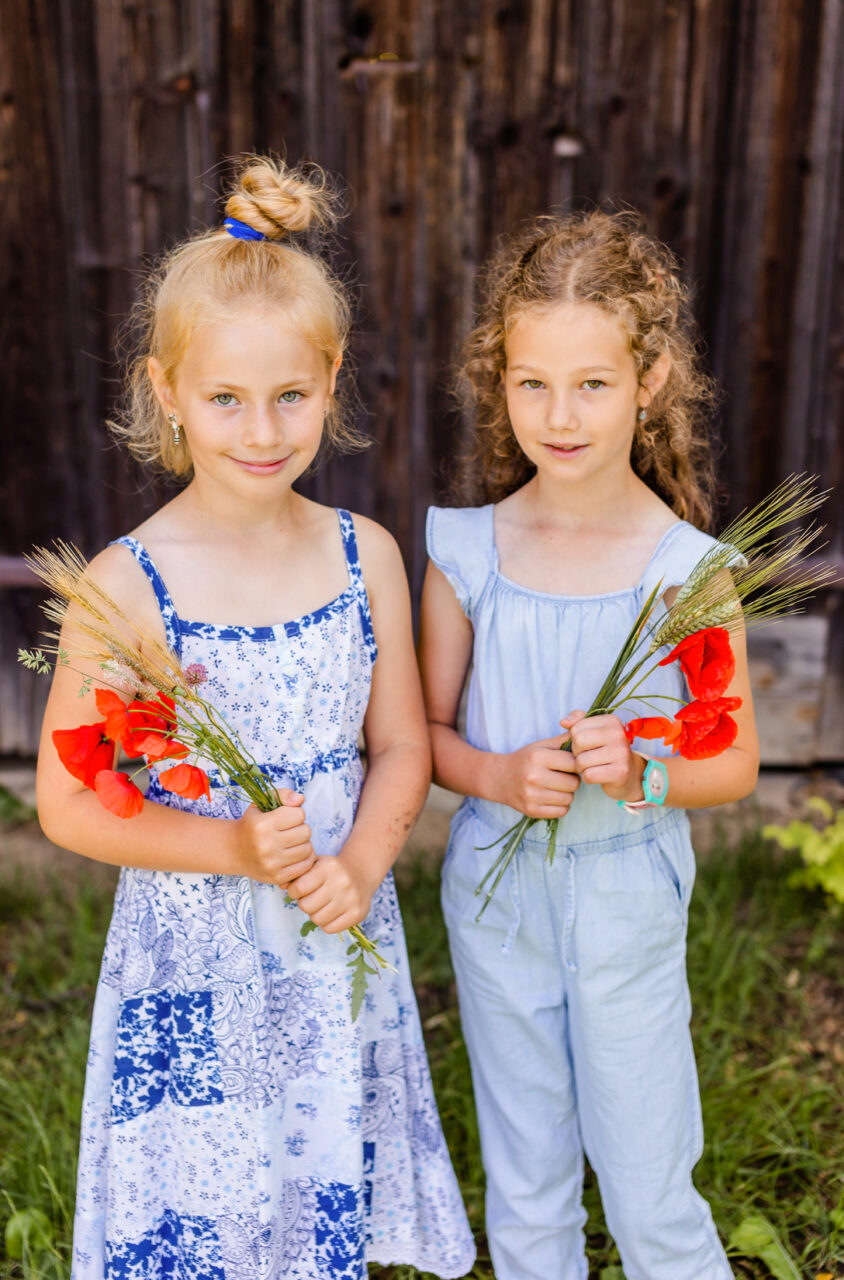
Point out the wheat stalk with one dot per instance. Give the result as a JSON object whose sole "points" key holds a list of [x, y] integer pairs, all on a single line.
{"points": [[111, 634], [755, 574]]}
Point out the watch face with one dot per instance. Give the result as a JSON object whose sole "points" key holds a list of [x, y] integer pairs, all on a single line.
{"points": [[657, 781]]}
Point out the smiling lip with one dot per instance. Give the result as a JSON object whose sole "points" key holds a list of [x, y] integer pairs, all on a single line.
{"points": [[566, 451], [261, 468]]}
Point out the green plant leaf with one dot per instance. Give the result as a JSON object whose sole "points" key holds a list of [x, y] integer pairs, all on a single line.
{"points": [[755, 1237], [611, 1273], [821, 849], [28, 1231], [308, 927], [359, 970]]}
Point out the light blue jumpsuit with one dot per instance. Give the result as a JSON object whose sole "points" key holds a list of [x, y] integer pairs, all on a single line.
{"points": [[572, 987]]}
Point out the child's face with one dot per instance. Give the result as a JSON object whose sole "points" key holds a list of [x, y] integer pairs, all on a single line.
{"points": [[251, 395], [572, 390]]}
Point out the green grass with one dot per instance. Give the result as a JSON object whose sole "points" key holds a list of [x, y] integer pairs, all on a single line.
{"points": [[765, 965]]}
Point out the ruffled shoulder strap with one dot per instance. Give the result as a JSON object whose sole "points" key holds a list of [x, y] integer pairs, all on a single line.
{"points": [[461, 544], [681, 547]]}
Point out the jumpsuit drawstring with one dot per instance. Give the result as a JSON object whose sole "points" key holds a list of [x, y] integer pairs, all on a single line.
{"points": [[569, 959]]}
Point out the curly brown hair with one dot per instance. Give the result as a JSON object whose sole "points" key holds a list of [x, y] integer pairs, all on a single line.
{"points": [[606, 259], [215, 274]]}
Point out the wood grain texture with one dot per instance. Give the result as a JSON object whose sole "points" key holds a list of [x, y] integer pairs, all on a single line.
{"points": [[722, 121]]}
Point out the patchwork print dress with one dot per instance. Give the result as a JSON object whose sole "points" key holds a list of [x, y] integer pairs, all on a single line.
{"points": [[237, 1125]]}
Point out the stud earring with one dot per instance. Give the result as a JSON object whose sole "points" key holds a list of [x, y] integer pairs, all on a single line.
{"points": [[175, 426], [642, 414]]}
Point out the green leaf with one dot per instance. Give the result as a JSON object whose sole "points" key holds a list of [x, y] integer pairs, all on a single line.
{"points": [[28, 1231], [836, 1217], [34, 660], [821, 806], [308, 927], [755, 1237], [552, 839], [359, 971], [611, 1273], [792, 836]]}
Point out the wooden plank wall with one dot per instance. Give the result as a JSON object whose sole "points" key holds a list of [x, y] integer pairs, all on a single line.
{"points": [[721, 119]]}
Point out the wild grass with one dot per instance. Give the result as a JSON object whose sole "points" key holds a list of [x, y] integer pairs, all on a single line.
{"points": [[765, 966]]}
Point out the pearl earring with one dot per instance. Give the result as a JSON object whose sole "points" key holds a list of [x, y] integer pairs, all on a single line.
{"points": [[175, 426]]}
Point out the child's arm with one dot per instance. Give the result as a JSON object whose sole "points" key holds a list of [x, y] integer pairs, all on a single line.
{"points": [[265, 846], [604, 757], [337, 892], [538, 779]]}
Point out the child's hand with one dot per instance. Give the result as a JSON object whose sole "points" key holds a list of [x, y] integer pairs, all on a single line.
{"points": [[276, 847], [538, 780], [602, 755], [333, 893]]}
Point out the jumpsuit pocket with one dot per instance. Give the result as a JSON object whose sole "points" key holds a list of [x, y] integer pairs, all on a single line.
{"points": [[672, 873]]}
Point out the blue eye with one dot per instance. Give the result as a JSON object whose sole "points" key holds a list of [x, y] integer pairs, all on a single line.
{"points": [[291, 397], [224, 399]]}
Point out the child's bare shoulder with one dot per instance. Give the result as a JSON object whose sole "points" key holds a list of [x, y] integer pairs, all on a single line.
{"points": [[380, 556], [118, 575], [373, 539]]}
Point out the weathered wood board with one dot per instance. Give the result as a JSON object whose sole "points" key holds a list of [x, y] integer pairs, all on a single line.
{"points": [[787, 669], [722, 121]]}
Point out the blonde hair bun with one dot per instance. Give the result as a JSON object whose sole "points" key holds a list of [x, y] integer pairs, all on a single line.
{"points": [[275, 198]]}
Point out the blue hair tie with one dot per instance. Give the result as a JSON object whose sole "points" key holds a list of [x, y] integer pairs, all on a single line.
{"points": [[242, 230]]}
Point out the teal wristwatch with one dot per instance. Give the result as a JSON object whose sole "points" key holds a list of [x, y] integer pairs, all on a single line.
{"points": [[654, 788]]}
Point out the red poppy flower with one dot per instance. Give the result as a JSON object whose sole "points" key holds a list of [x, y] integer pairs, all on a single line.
{"points": [[156, 747], [654, 727], [148, 728], [707, 660], [116, 712], [708, 729], [118, 793], [185, 780], [161, 706], [84, 751]]}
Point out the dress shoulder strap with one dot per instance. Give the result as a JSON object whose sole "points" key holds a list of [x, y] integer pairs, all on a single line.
{"points": [[680, 549], [461, 543], [162, 595], [356, 582]]}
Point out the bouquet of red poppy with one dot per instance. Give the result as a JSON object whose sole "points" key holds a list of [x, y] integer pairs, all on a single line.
{"points": [[757, 572], [143, 730], [704, 727], [170, 720]]}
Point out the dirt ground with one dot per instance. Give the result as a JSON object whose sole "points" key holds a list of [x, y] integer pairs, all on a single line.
{"points": [[779, 797]]}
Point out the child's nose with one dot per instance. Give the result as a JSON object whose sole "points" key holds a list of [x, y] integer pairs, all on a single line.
{"points": [[260, 427], [562, 416]]}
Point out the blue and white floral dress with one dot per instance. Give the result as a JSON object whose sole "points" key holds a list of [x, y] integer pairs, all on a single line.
{"points": [[237, 1125]]}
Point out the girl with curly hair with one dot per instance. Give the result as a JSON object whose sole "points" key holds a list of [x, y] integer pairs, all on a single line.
{"points": [[589, 455]]}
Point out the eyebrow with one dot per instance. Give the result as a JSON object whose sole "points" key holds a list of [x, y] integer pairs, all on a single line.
{"points": [[591, 368], [233, 386]]}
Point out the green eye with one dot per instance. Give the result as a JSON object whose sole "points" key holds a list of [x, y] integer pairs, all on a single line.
{"points": [[290, 397], [224, 399]]}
